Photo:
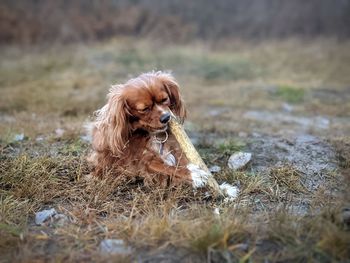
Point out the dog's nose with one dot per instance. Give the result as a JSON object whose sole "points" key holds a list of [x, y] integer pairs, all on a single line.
{"points": [[165, 117]]}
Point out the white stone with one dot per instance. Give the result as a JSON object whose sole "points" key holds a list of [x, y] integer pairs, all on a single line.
{"points": [[59, 132], [239, 160], [44, 215], [242, 134], [114, 246], [287, 107], [215, 169], [39, 139], [86, 138], [19, 137]]}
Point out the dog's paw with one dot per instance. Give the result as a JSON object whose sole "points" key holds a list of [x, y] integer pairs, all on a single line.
{"points": [[230, 191], [199, 176]]}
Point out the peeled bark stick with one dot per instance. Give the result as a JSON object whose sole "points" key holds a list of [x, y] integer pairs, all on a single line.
{"points": [[191, 152]]}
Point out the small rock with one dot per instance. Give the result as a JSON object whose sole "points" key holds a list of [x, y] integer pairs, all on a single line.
{"points": [[86, 138], [243, 247], [19, 137], [44, 215], [217, 111], [59, 132], [114, 246], [242, 134], [215, 169], [239, 160], [256, 135], [39, 138], [346, 216], [322, 122], [287, 107]]}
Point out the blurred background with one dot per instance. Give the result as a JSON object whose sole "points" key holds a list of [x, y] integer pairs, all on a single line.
{"points": [[246, 65], [40, 21]]}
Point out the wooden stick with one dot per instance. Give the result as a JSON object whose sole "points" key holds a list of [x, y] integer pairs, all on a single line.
{"points": [[191, 152]]}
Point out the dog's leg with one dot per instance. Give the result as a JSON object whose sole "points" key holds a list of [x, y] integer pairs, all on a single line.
{"points": [[183, 172], [177, 174], [199, 176]]}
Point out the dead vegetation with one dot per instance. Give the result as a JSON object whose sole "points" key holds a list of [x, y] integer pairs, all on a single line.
{"points": [[150, 220], [277, 217]]}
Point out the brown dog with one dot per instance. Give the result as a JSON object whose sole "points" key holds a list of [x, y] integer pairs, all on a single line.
{"points": [[131, 131]]}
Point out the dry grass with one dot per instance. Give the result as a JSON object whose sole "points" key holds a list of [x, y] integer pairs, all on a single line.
{"points": [[156, 220], [43, 90], [287, 177]]}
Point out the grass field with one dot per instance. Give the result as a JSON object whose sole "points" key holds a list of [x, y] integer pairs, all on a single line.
{"points": [[260, 97]]}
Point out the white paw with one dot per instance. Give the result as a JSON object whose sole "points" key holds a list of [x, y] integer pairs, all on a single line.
{"points": [[199, 176], [229, 191]]}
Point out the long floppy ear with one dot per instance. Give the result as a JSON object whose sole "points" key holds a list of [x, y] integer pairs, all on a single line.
{"points": [[112, 123], [176, 103]]}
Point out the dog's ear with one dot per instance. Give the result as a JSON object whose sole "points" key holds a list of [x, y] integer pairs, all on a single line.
{"points": [[176, 103], [112, 122]]}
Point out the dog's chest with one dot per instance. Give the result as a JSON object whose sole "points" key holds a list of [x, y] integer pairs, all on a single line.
{"points": [[164, 152]]}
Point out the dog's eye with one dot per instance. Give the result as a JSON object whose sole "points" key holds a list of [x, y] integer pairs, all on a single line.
{"points": [[145, 110], [165, 100]]}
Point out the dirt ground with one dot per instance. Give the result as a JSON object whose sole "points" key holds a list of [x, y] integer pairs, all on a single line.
{"points": [[286, 102]]}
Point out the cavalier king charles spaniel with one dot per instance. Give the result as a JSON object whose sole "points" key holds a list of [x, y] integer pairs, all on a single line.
{"points": [[131, 132]]}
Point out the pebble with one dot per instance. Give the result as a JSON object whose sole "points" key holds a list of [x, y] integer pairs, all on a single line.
{"points": [[346, 216], [239, 160], [50, 217], [287, 107], [44, 215], [19, 137], [59, 132], [215, 169], [243, 134], [39, 139], [86, 138], [114, 246]]}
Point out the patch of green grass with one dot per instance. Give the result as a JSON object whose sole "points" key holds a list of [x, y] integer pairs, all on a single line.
{"points": [[290, 94], [229, 147], [208, 66], [220, 69], [74, 147], [214, 154], [133, 59]]}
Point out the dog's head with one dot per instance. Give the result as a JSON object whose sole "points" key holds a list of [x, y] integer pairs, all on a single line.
{"points": [[143, 103]]}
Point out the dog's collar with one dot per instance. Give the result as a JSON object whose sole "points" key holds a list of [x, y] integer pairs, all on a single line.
{"points": [[161, 140]]}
